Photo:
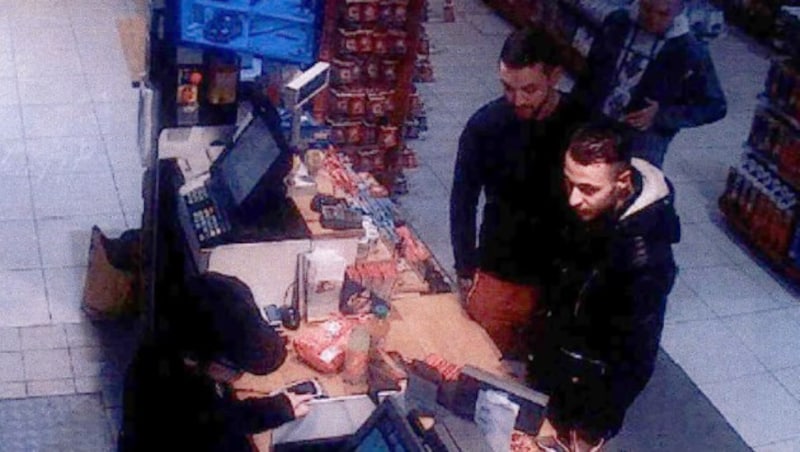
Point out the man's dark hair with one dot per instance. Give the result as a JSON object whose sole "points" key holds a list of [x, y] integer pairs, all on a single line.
{"points": [[529, 46], [600, 143]]}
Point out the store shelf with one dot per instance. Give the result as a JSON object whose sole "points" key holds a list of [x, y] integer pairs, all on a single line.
{"points": [[779, 264]]}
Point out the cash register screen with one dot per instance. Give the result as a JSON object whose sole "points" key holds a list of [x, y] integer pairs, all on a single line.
{"points": [[386, 430], [245, 164]]}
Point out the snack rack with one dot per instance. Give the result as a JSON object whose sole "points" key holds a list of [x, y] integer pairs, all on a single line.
{"points": [[371, 103]]}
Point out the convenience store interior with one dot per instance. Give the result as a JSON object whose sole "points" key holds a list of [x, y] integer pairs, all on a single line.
{"points": [[68, 128]]}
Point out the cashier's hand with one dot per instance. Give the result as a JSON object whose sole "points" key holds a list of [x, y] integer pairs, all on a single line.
{"points": [[464, 286], [300, 406], [642, 119]]}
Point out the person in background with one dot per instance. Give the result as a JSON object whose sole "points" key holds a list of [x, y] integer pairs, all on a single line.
{"points": [[178, 393], [648, 71], [603, 317], [510, 151]]}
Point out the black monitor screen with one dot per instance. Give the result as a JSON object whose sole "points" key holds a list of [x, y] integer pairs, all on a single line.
{"points": [[245, 164], [386, 430]]}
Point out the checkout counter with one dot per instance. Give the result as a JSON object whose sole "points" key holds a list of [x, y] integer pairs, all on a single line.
{"points": [[425, 320]]}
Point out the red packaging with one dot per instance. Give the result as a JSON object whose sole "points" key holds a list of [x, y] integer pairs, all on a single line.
{"points": [[400, 14], [373, 70], [357, 104], [351, 14], [323, 346], [388, 136], [364, 44], [342, 132], [367, 159], [353, 133], [376, 106], [389, 71], [345, 72], [348, 41], [369, 12], [380, 44], [386, 13], [369, 133], [340, 103], [390, 105], [397, 42]]}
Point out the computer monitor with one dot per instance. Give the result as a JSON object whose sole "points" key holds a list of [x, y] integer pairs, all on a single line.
{"points": [[250, 171], [386, 430], [248, 160]]}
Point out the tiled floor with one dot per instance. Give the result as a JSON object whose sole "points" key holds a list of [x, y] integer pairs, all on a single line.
{"points": [[67, 136], [68, 161]]}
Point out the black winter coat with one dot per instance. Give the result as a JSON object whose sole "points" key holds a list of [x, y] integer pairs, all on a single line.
{"points": [[604, 315]]}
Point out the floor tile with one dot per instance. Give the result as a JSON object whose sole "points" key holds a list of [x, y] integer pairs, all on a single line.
{"points": [[11, 367], [69, 195], [23, 301], [97, 34], [123, 152], [68, 63], [31, 43], [10, 121], [17, 206], [90, 362], [47, 364], [790, 379], [117, 118], [65, 241], [758, 407], [773, 336], [684, 305], [102, 59], [45, 337], [728, 290], [774, 284], [9, 340], [708, 351], [66, 155], [695, 250], [65, 293], [7, 68], [13, 159], [83, 334], [59, 120], [690, 203], [54, 90], [8, 90], [51, 387], [110, 87], [129, 185], [791, 445], [12, 390], [19, 244]]}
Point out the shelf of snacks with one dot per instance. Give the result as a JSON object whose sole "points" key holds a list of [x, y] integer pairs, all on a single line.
{"points": [[371, 105]]}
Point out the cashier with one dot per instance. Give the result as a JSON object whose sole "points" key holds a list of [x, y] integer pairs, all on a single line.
{"points": [[178, 393]]}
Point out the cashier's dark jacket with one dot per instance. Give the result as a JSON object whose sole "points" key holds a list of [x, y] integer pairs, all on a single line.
{"points": [[604, 316], [171, 405]]}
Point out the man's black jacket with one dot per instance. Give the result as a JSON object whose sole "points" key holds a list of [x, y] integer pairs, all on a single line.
{"points": [[604, 316], [518, 166]]}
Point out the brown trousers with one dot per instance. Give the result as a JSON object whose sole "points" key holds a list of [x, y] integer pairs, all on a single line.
{"points": [[502, 308]]}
